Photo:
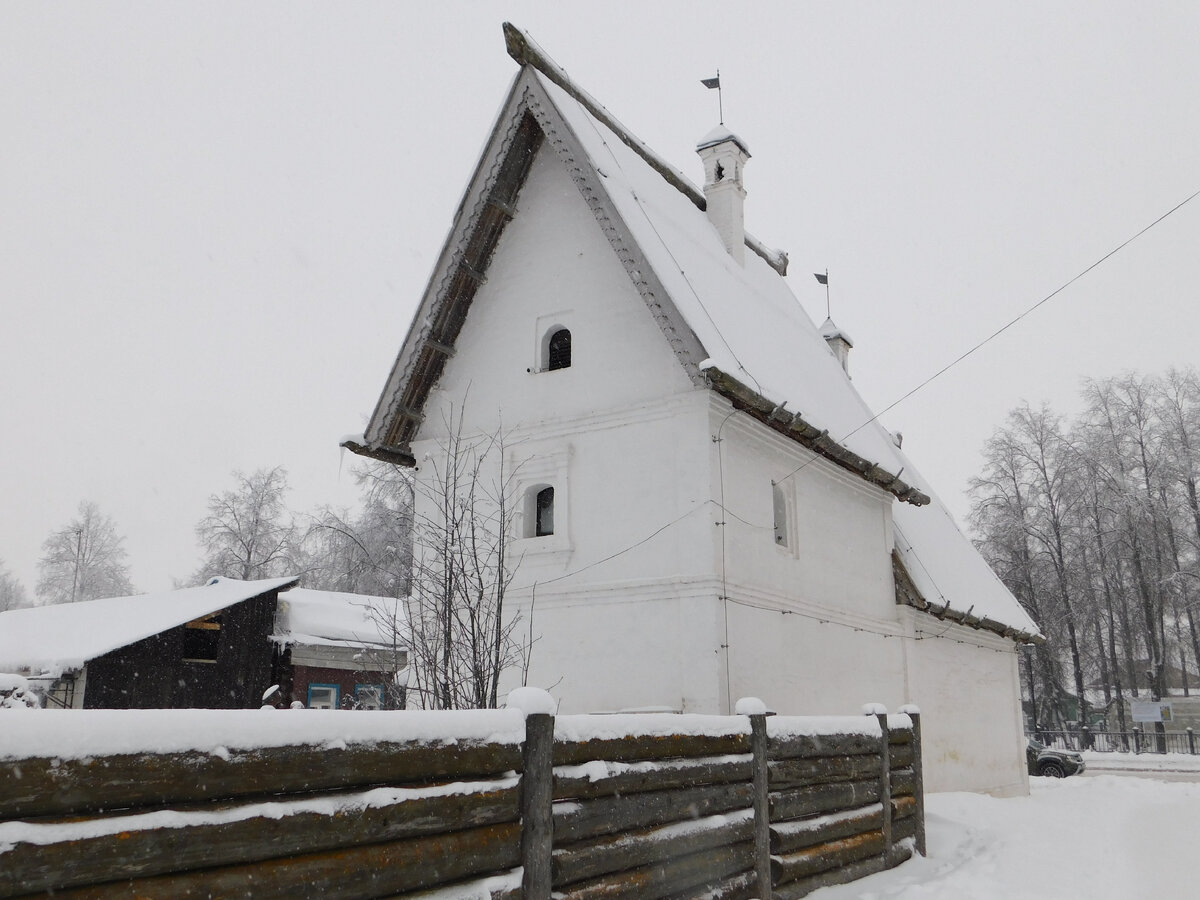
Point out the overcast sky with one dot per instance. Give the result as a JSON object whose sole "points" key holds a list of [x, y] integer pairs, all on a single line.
{"points": [[218, 218]]}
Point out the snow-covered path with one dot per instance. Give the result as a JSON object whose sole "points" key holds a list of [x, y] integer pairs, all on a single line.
{"points": [[1108, 836]]}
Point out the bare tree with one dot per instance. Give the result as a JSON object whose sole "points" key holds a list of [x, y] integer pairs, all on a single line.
{"points": [[369, 552], [463, 637], [248, 531], [1095, 527], [12, 592], [83, 560]]}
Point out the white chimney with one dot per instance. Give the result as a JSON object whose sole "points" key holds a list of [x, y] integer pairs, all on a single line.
{"points": [[724, 155], [839, 342]]}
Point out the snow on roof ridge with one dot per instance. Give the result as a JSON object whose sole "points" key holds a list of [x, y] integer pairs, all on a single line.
{"points": [[526, 51]]}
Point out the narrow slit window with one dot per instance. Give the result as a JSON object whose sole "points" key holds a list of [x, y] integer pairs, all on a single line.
{"points": [[559, 350], [779, 504], [545, 512]]}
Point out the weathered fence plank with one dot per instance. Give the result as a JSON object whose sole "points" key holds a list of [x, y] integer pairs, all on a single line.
{"points": [[742, 886], [574, 782], [637, 747], [787, 773], [576, 820], [136, 848], [42, 787], [798, 834], [852, 872], [358, 873], [614, 853], [904, 782], [810, 801], [667, 877], [808, 745], [813, 860]]}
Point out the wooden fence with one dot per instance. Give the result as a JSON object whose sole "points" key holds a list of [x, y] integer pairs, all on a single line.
{"points": [[652, 806]]}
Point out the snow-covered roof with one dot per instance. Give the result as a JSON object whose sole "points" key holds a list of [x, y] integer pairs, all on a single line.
{"points": [[49, 640], [752, 327], [735, 327], [720, 135], [829, 331], [337, 619]]}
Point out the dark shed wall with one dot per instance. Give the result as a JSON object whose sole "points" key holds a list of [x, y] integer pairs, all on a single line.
{"points": [[151, 673]]}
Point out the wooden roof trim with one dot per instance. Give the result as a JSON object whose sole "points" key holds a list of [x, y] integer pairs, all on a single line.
{"points": [[401, 456], [907, 594], [794, 426], [465, 273], [525, 51]]}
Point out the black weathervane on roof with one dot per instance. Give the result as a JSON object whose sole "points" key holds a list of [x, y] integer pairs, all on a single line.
{"points": [[715, 83]]}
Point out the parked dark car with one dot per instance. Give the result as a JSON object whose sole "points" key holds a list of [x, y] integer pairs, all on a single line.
{"points": [[1043, 760]]}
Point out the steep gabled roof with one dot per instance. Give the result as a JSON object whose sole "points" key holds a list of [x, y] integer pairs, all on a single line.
{"points": [[736, 329], [53, 639]]}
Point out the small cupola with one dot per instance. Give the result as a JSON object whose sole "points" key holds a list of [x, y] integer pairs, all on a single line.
{"points": [[724, 155], [839, 342]]}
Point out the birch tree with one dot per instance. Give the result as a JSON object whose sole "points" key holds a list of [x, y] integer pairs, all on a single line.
{"points": [[83, 560], [12, 592], [248, 532]]}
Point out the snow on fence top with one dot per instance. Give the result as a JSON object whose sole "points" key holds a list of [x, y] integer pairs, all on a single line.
{"points": [[812, 726], [612, 727], [81, 733]]}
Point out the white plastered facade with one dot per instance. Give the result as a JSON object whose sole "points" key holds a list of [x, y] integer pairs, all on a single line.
{"points": [[663, 585]]}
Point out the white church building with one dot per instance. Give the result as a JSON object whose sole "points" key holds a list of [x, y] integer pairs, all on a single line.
{"points": [[707, 507]]}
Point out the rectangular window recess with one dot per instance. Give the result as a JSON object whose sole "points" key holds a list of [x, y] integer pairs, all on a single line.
{"points": [[204, 625]]}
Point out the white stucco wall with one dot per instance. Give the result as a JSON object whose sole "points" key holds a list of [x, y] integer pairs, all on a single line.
{"points": [[966, 684], [651, 592], [620, 435]]}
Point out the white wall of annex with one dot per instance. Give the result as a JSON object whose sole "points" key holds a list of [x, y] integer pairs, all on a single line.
{"points": [[801, 664], [966, 685]]}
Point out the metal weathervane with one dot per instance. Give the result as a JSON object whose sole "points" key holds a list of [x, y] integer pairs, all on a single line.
{"points": [[824, 279], [714, 83]]}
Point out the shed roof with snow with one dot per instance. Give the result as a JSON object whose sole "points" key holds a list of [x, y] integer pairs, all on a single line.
{"points": [[338, 619], [50, 640]]}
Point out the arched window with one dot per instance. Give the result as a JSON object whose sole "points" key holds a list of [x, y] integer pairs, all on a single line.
{"points": [[545, 511], [539, 511], [558, 352]]}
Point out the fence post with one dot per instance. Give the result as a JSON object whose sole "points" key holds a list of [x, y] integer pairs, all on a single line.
{"points": [[762, 806], [879, 711], [537, 806], [1191, 741], [1137, 739], [918, 775], [885, 781]]}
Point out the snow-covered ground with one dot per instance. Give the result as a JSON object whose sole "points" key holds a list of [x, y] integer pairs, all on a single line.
{"points": [[1097, 837]]}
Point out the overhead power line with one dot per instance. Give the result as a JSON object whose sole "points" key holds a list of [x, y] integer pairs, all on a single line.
{"points": [[999, 331]]}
